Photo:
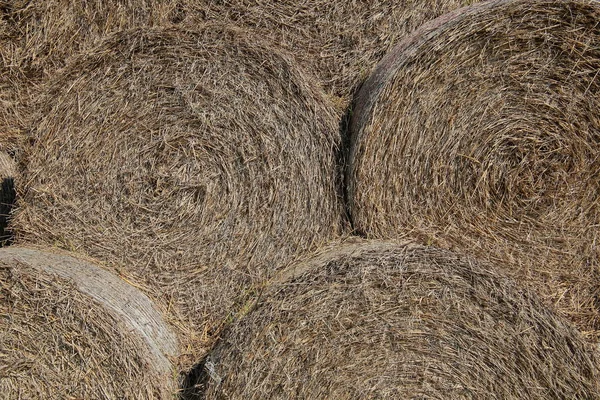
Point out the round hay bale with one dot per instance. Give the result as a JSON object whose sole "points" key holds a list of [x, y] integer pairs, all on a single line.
{"points": [[70, 329], [395, 322], [196, 162], [479, 132], [339, 41], [8, 173]]}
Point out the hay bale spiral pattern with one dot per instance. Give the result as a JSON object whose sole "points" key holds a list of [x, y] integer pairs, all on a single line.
{"points": [[340, 41], [480, 132], [196, 162], [376, 320], [69, 329]]}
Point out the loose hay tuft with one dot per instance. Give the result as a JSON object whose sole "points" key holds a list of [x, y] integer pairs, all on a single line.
{"points": [[197, 163], [481, 132], [339, 41], [69, 329], [389, 322]]}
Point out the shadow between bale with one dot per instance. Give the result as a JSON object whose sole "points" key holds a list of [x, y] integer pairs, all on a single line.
{"points": [[376, 320], [479, 132], [73, 330], [340, 42], [196, 162]]}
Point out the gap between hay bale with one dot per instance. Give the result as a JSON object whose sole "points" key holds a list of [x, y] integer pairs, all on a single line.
{"points": [[340, 42], [198, 163], [72, 329], [8, 173], [378, 320], [479, 132]]}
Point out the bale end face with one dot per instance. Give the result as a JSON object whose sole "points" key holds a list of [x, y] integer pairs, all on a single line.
{"points": [[475, 134], [387, 321]]}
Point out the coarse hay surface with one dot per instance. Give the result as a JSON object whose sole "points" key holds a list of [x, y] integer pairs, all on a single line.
{"points": [[197, 163], [47, 32], [338, 41], [481, 132], [37, 37], [11, 90], [383, 321], [71, 330]]}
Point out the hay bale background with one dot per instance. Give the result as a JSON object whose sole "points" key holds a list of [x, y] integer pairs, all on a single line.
{"points": [[196, 163], [338, 41], [8, 173], [70, 329], [480, 132], [374, 320]]}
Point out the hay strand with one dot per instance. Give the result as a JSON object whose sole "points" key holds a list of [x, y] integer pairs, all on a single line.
{"points": [[480, 132]]}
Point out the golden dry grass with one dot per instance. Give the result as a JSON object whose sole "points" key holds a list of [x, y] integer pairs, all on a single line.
{"points": [[197, 163], [376, 320], [480, 133], [71, 330]]}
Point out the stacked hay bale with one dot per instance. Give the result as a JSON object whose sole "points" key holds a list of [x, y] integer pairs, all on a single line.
{"points": [[340, 41], [480, 132], [69, 329], [195, 162], [375, 320]]}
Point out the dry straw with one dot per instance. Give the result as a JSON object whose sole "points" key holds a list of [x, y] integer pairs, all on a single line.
{"points": [[481, 132], [197, 163], [47, 32], [38, 36], [375, 320], [338, 41], [72, 330], [11, 79]]}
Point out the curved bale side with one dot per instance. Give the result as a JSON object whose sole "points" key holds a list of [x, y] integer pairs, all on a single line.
{"points": [[339, 41], [480, 133], [375, 320], [70, 329], [8, 174], [195, 162]]}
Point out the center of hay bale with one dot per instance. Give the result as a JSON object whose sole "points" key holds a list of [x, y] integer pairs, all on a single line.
{"points": [[197, 162]]}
